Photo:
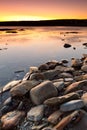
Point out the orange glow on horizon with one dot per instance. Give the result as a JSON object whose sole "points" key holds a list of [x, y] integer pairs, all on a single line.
{"points": [[37, 18]]}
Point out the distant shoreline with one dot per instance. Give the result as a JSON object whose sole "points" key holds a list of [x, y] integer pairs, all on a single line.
{"points": [[65, 22]]}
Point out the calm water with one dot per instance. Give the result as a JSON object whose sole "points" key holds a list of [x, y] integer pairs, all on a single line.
{"points": [[35, 45]]}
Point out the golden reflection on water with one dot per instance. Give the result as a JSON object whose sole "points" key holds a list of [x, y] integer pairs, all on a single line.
{"points": [[34, 45]]}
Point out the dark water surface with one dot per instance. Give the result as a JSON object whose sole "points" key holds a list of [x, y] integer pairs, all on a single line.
{"points": [[32, 46]]}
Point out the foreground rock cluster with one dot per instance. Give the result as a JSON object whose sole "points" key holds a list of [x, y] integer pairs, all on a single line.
{"points": [[52, 96]]}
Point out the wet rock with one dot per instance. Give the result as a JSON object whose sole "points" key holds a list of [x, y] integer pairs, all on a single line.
{"points": [[37, 76], [22, 88], [42, 92], [84, 68], [43, 67], [50, 74], [11, 119], [62, 99], [67, 45], [65, 75], [66, 120], [36, 113], [11, 85], [54, 118], [59, 85], [72, 105], [81, 85]]}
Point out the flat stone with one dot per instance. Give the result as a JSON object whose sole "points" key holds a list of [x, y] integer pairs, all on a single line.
{"points": [[81, 85], [62, 99], [55, 117], [66, 120], [81, 77], [37, 76], [22, 88], [36, 113], [84, 68], [50, 74], [72, 105], [42, 92], [59, 85], [65, 75], [11, 85], [11, 119]]}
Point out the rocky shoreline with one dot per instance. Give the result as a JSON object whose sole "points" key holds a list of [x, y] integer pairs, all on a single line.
{"points": [[52, 96]]}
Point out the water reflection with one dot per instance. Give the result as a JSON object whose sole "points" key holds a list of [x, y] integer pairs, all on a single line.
{"points": [[35, 45]]}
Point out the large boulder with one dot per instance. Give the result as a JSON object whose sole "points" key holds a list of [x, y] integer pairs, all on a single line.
{"points": [[42, 92], [22, 88]]}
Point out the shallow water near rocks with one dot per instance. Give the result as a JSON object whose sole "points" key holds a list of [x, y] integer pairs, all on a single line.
{"points": [[32, 46]]}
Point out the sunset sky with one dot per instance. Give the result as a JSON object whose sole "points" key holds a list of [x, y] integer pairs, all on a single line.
{"points": [[42, 9]]}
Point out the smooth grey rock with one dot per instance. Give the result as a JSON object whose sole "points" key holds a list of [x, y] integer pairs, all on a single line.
{"points": [[59, 85], [36, 113], [42, 92], [65, 75], [37, 76], [22, 88], [50, 74], [72, 105], [84, 68]]}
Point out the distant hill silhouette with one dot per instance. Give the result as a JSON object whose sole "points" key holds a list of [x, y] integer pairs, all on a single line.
{"points": [[65, 22]]}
